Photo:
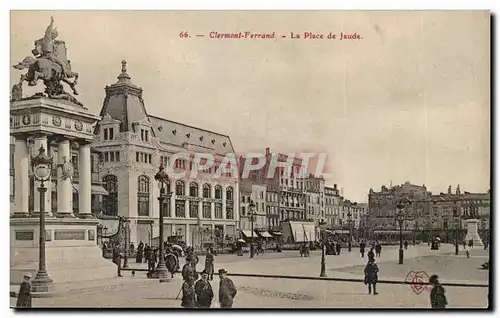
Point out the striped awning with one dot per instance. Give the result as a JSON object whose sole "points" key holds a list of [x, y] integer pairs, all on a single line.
{"points": [[265, 234], [95, 189], [248, 233]]}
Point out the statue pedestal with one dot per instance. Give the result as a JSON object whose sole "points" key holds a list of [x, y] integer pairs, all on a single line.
{"points": [[71, 251], [472, 233]]}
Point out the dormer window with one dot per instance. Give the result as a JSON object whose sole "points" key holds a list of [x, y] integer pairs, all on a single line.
{"points": [[108, 134], [144, 135]]}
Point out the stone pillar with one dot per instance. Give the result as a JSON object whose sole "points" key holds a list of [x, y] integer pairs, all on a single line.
{"points": [[64, 185], [85, 181], [223, 203], [42, 141], [22, 186], [172, 204]]}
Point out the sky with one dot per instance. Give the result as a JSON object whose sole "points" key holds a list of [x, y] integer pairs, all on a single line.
{"points": [[409, 101]]}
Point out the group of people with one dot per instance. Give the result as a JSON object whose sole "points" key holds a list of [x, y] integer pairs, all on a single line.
{"points": [[198, 293]]}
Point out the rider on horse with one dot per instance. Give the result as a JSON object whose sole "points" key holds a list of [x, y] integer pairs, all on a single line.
{"points": [[48, 48]]}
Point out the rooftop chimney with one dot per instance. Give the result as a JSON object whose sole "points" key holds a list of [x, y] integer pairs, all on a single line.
{"points": [[335, 186]]}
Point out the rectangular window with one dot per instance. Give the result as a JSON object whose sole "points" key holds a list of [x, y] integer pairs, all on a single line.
{"points": [[193, 209], [243, 212], [150, 158], [106, 157], [111, 137], [147, 137], [143, 204], [229, 213], [166, 209], [137, 156], [117, 156], [105, 133], [74, 160], [180, 208], [111, 156], [207, 210], [142, 134], [218, 210]]}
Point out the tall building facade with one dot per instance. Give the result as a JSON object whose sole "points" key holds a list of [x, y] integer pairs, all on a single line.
{"points": [[134, 143], [315, 203]]}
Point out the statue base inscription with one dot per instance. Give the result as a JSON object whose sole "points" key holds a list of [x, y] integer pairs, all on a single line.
{"points": [[71, 250]]}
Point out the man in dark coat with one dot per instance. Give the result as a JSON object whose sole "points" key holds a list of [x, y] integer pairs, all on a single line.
{"points": [[117, 259], [371, 276], [140, 251], [405, 245], [24, 297], [188, 293], [151, 262], [227, 290], [187, 270], [147, 250], [438, 297], [362, 247], [378, 249], [204, 292], [338, 247], [371, 254], [209, 264]]}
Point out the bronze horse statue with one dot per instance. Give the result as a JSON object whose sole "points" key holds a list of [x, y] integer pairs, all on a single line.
{"points": [[48, 70]]}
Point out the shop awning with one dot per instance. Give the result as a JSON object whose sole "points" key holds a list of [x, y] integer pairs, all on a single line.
{"points": [[95, 189], [265, 234], [248, 233]]}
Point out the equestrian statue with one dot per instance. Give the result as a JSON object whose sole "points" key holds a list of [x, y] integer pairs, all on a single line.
{"points": [[50, 65]]}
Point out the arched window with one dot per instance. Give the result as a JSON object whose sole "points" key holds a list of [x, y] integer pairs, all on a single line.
{"points": [[110, 201], [206, 191], [179, 188], [218, 192], [229, 193], [193, 189], [143, 196]]}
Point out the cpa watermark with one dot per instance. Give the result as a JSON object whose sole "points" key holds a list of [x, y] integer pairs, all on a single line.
{"points": [[242, 166], [419, 281]]}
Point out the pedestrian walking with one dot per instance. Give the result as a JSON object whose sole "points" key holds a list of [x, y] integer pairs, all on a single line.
{"points": [[227, 290], [371, 276], [187, 270], [117, 259], [362, 247], [188, 293], [204, 292], [209, 264], [378, 249], [147, 251], [467, 253], [151, 263], [140, 251], [24, 296], [338, 247], [371, 254], [438, 297], [405, 245]]}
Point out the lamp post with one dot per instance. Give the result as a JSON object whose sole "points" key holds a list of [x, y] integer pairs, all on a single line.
{"points": [[162, 177], [457, 218], [127, 242], [322, 223], [400, 218], [252, 213], [349, 221], [42, 168]]}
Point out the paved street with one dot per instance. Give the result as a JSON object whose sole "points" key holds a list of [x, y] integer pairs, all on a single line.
{"points": [[267, 293]]}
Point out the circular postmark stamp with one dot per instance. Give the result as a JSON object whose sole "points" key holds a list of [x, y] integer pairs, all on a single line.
{"points": [[419, 281]]}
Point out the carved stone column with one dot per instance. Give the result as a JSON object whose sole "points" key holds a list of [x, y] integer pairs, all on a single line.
{"points": [[85, 182], [64, 182], [21, 167]]}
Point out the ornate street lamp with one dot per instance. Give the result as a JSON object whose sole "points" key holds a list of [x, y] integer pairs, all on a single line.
{"points": [[162, 177], [252, 215], [349, 221], [457, 220], [400, 217], [42, 168], [322, 223]]}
